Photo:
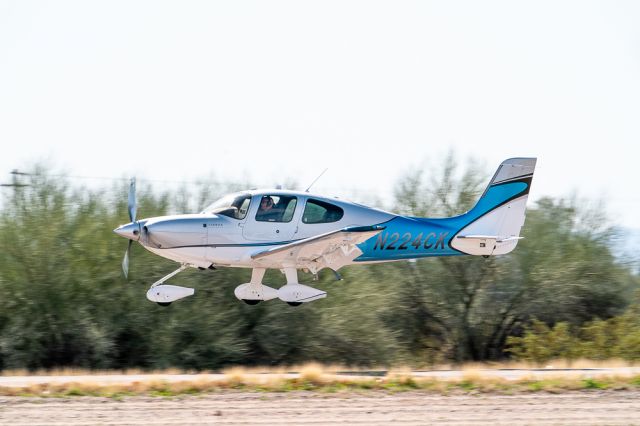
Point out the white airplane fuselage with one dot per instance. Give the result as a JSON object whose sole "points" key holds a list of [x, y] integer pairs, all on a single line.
{"points": [[291, 230], [208, 239]]}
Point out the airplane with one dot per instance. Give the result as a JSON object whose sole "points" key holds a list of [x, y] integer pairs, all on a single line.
{"points": [[293, 230]]}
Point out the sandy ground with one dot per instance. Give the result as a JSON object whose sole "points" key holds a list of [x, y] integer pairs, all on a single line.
{"points": [[371, 408]]}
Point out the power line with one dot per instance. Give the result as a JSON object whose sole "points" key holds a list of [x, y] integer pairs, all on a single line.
{"points": [[16, 172], [19, 173], [353, 192]]}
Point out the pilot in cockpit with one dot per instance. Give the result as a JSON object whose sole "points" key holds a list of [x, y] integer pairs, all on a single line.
{"points": [[266, 211]]}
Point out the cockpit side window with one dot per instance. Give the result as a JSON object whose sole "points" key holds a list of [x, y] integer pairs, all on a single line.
{"points": [[317, 211], [233, 206], [276, 208], [243, 207]]}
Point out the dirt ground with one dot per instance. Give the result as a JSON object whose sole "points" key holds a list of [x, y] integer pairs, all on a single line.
{"points": [[370, 408]]}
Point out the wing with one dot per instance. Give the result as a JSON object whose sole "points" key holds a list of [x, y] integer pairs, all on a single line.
{"points": [[331, 250]]}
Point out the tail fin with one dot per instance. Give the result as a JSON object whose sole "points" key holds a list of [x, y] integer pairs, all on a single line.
{"points": [[493, 225]]}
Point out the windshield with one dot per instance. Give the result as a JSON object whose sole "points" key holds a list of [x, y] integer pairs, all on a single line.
{"points": [[235, 206]]}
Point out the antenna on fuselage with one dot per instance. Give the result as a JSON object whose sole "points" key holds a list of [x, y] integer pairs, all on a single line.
{"points": [[316, 179]]}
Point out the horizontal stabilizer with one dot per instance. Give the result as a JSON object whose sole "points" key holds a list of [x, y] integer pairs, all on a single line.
{"points": [[485, 245], [490, 237]]}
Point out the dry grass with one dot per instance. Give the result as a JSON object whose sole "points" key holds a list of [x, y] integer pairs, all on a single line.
{"points": [[468, 384], [525, 365], [319, 378], [315, 373]]}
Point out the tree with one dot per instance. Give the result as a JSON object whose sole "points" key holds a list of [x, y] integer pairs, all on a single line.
{"points": [[64, 301], [563, 270]]}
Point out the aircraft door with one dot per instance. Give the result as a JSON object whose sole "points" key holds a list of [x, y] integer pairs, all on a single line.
{"points": [[272, 217]]}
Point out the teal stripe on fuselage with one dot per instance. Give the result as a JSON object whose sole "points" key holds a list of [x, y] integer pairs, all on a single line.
{"points": [[409, 237]]}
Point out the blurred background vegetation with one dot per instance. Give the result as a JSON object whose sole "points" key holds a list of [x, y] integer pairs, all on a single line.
{"points": [[565, 292]]}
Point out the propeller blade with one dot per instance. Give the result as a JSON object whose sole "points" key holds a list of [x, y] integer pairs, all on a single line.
{"points": [[131, 205], [125, 261]]}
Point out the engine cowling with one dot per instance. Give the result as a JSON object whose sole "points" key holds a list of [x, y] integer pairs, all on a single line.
{"points": [[166, 293]]}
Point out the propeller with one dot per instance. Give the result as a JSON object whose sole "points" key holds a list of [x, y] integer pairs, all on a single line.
{"points": [[131, 205], [131, 208], [125, 261]]}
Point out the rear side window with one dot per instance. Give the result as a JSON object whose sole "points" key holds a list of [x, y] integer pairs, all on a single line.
{"points": [[317, 211]]}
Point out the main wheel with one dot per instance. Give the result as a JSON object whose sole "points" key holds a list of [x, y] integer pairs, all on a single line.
{"points": [[251, 301], [164, 304], [294, 303]]}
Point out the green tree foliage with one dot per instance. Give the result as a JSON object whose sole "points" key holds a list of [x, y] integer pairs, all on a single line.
{"points": [[465, 308], [616, 337], [541, 343], [64, 302]]}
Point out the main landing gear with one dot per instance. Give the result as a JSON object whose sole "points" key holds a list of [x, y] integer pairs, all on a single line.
{"points": [[293, 293]]}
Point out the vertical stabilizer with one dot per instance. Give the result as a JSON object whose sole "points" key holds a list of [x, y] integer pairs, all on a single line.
{"points": [[495, 221]]}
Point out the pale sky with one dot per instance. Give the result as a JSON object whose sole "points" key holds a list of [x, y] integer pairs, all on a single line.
{"points": [[272, 91]]}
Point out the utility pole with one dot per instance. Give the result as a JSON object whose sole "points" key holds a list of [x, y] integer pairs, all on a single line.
{"points": [[14, 180]]}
